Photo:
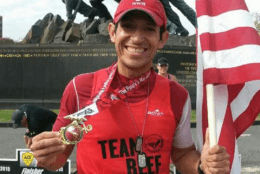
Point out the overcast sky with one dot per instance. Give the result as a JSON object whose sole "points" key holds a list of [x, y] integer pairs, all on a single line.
{"points": [[20, 15]]}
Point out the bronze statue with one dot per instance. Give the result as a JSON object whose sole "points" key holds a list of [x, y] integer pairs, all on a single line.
{"points": [[81, 7], [173, 17], [101, 8], [173, 24]]}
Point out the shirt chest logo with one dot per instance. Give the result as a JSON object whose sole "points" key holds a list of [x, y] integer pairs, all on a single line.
{"points": [[156, 113]]}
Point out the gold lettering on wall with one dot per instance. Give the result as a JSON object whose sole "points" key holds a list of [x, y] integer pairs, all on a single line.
{"points": [[187, 74]]}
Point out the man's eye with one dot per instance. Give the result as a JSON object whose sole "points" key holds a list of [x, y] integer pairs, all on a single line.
{"points": [[149, 29]]}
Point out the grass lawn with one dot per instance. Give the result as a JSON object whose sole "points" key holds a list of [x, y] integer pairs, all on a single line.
{"points": [[193, 116], [5, 115]]}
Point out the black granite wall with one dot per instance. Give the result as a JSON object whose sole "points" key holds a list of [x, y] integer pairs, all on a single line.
{"points": [[39, 74]]}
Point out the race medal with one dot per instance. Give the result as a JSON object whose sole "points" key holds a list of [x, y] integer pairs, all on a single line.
{"points": [[141, 160], [88, 128], [72, 133], [139, 142]]}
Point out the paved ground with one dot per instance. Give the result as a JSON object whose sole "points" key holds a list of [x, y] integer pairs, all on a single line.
{"points": [[11, 139], [248, 143], [249, 148]]}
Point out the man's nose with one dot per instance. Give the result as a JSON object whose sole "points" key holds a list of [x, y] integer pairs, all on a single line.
{"points": [[137, 36]]}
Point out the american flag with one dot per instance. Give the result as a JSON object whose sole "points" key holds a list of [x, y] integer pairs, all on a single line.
{"points": [[228, 56]]}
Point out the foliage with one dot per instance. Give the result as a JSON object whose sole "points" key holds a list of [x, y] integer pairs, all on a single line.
{"points": [[257, 25], [5, 115], [6, 41], [257, 22]]}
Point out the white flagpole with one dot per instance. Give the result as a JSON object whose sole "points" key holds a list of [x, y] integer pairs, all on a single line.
{"points": [[211, 115]]}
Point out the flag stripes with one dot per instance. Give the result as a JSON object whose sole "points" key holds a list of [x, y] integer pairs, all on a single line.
{"points": [[230, 76], [246, 106], [244, 97], [224, 22], [228, 56], [230, 45], [216, 7], [230, 39]]}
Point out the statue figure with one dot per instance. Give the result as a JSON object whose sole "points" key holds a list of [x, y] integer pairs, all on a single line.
{"points": [[81, 7], [101, 8], [173, 24], [171, 27], [173, 17]]}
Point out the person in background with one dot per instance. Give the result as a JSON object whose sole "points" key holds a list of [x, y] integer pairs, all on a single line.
{"points": [[36, 119], [163, 67]]}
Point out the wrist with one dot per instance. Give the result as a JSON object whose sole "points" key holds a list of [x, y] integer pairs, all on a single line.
{"points": [[51, 166], [200, 171]]}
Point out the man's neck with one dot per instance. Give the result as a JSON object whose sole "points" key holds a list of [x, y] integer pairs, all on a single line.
{"points": [[132, 73], [163, 74]]}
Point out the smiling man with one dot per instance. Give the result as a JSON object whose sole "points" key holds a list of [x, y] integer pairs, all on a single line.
{"points": [[137, 127]]}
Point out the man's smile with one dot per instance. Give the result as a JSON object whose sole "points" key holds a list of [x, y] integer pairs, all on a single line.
{"points": [[135, 50]]}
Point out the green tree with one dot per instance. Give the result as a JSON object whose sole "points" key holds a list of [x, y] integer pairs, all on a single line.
{"points": [[257, 22], [257, 25]]}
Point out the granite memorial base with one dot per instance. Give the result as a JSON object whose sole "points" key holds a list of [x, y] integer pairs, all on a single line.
{"points": [[38, 74]]}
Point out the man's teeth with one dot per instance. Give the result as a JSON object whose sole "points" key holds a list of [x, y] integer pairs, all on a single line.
{"points": [[134, 50]]}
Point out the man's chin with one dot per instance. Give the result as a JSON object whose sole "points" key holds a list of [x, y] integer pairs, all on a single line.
{"points": [[137, 68], [135, 64]]}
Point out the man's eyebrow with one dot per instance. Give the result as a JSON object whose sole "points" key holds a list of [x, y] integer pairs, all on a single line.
{"points": [[152, 24]]}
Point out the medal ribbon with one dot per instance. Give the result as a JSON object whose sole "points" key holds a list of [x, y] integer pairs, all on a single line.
{"points": [[107, 95]]}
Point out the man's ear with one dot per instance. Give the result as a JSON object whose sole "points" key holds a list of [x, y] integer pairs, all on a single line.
{"points": [[165, 37], [111, 30]]}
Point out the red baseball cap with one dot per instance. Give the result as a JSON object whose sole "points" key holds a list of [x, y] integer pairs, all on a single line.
{"points": [[154, 8]]}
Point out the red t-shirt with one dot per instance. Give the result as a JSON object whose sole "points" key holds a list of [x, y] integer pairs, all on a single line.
{"points": [[109, 147]]}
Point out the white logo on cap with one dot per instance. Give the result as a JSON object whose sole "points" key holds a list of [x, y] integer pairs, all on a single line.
{"points": [[139, 2]]}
